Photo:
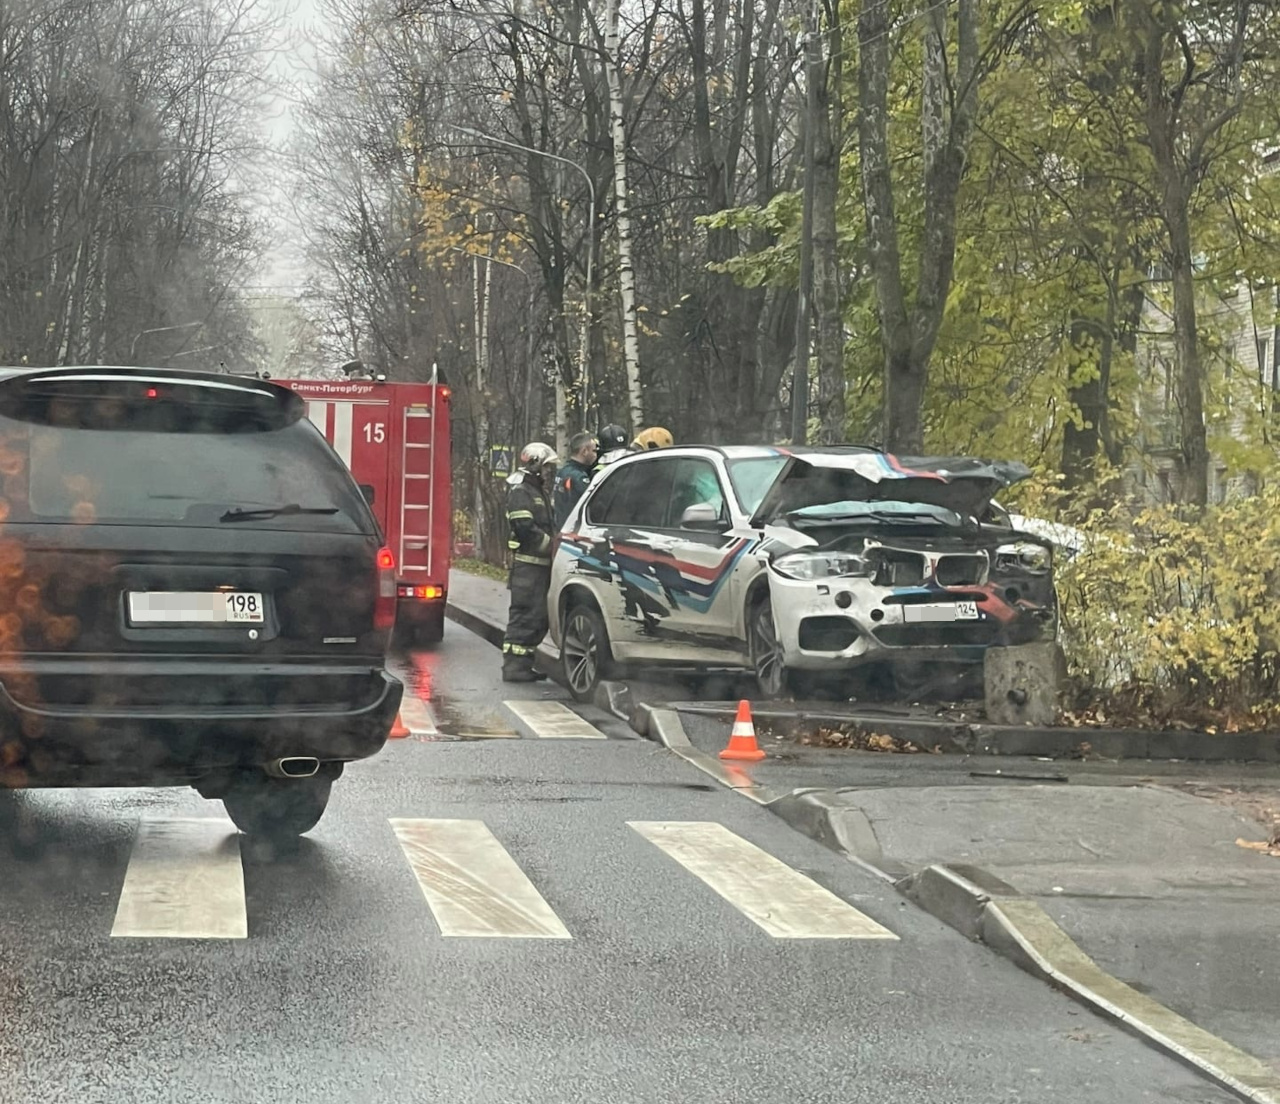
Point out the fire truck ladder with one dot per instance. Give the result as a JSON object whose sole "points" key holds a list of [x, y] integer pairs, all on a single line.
{"points": [[424, 514]]}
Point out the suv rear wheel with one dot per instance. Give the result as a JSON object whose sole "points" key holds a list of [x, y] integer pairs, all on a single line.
{"points": [[584, 651], [276, 808]]}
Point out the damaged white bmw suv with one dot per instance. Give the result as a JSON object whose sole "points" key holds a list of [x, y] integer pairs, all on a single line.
{"points": [[803, 564]]}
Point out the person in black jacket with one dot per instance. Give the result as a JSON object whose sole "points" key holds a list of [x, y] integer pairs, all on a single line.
{"points": [[529, 521], [612, 445], [572, 479]]}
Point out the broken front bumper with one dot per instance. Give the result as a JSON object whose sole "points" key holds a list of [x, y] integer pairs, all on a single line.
{"points": [[837, 623]]}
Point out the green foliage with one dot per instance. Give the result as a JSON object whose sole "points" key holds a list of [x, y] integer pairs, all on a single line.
{"points": [[479, 567], [1058, 223], [1168, 618]]}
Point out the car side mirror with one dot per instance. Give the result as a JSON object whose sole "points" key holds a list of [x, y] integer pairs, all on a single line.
{"points": [[703, 517], [366, 489]]}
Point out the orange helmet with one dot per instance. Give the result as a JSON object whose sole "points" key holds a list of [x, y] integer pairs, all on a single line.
{"points": [[653, 438]]}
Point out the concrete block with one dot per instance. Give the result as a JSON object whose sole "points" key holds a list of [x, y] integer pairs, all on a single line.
{"points": [[1021, 684], [949, 896]]}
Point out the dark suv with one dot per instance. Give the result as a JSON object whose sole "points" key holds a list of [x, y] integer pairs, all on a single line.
{"points": [[193, 591]]}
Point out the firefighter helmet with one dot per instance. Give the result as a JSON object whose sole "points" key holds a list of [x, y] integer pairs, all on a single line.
{"points": [[612, 437], [535, 456], [653, 438]]}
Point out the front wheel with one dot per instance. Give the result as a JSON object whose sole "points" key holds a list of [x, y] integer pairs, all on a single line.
{"points": [[277, 808], [585, 655], [765, 650]]}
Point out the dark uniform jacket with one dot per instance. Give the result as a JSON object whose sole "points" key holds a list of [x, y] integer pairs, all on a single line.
{"points": [[571, 484], [529, 519]]}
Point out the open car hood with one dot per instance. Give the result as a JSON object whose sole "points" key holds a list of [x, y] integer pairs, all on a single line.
{"points": [[817, 477]]}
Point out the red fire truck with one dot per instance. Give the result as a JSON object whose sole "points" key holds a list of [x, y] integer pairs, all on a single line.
{"points": [[395, 439]]}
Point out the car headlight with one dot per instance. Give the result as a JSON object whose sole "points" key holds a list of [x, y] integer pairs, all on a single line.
{"points": [[809, 566], [1035, 558]]}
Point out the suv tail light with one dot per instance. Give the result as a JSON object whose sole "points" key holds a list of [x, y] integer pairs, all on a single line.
{"points": [[384, 610]]}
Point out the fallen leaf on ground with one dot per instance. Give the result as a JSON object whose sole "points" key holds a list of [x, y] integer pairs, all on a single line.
{"points": [[859, 740]]}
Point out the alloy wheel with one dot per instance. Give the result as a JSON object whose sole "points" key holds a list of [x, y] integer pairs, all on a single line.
{"points": [[581, 651]]}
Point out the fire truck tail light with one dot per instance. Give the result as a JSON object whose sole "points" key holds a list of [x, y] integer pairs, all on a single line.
{"points": [[423, 593]]}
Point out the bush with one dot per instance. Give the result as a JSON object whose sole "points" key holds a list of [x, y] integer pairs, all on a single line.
{"points": [[1172, 620], [463, 526]]}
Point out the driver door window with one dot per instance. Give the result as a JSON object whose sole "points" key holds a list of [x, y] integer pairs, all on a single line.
{"points": [[703, 559], [695, 484]]}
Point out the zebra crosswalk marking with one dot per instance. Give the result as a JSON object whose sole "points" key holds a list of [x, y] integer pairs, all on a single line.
{"points": [[782, 901], [472, 885]]}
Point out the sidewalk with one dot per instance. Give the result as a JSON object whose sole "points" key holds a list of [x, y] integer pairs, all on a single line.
{"points": [[481, 605], [1143, 874]]}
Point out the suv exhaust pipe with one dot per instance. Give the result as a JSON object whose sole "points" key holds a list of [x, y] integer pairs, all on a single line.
{"points": [[293, 766]]}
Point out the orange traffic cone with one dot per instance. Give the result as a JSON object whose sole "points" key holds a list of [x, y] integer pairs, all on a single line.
{"points": [[398, 730], [742, 740]]}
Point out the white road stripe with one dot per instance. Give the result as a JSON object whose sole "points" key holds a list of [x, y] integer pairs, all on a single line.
{"points": [[472, 884], [782, 901], [184, 881], [418, 718], [553, 720]]}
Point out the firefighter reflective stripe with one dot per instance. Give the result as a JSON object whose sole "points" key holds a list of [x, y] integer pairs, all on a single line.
{"points": [[516, 515], [521, 557]]}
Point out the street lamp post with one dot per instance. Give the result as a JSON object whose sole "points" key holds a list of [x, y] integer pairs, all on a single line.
{"points": [[591, 243]]}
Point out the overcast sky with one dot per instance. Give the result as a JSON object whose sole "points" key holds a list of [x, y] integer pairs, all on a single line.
{"points": [[292, 62]]}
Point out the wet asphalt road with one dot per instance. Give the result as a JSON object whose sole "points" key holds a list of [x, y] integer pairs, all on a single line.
{"points": [[345, 990]]}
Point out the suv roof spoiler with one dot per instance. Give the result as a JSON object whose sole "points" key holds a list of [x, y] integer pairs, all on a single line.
{"points": [[21, 387]]}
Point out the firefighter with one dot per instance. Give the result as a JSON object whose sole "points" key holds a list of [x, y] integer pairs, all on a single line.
{"points": [[572, 479], [612, 445], [654, 437], [529, 521]]}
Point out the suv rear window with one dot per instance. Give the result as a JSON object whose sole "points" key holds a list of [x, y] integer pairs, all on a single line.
{"points": [[63, 473]]}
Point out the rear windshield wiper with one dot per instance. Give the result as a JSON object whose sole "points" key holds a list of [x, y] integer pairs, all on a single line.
{"points": [[275, 511]]}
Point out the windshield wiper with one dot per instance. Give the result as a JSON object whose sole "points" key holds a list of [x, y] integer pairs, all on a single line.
{"points": [[263, 512]]}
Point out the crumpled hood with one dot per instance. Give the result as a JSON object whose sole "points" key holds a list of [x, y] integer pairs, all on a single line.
{"points": [[822, 477]]}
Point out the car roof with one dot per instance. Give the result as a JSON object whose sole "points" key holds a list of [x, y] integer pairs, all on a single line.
{"points": [[223, 390], [766, 452], [123, 370], [225, 381]]}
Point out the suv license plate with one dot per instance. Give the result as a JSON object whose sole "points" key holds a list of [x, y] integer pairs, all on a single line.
{"points": [[158, 607]]}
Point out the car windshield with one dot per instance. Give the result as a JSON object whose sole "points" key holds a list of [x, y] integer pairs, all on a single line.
{"points": [[126, 477], [752, 478]]}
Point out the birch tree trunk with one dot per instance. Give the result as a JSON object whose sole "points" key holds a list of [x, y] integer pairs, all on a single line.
{"points": [[826, 262], [622, 216]]}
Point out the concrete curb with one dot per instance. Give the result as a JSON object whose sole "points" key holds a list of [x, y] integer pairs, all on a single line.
{"points": [[978, 738], [476, 623], [548, 659], [663, 726], [810, 813], [985, 909]]}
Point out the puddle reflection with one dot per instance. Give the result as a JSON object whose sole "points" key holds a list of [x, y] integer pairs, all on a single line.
{"points": [[450, 720]]}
